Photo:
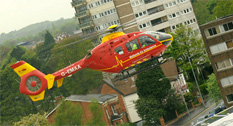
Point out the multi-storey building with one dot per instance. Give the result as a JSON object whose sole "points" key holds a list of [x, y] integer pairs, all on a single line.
{"points": [[153, 15], [113, 113], [218, 38]]}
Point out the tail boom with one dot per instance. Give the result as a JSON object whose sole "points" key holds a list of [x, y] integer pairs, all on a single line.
{"points": [[34, 83]]}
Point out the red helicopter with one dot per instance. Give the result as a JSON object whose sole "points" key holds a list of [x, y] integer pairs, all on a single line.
{"points": [[117, 53]]}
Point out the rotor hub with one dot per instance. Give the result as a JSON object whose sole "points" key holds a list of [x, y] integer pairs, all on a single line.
{"points": [[33, 83]]}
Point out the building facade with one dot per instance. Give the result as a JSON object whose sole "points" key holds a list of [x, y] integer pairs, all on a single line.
{"points": [[143, 15], [218, 39]]}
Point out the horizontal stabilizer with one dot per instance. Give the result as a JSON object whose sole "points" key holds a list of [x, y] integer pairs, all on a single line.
{"points": [[37, 97]]}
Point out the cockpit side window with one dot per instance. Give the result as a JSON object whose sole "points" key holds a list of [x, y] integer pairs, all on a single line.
{"points": [[132, 45], [119, 50], [88, 55], [146, 41]]}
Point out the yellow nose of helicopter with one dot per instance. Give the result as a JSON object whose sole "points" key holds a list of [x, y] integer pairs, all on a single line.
{"points": [[166, 39]]}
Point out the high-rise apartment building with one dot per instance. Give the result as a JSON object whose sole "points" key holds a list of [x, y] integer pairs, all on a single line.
{"points": [[218, 39], [160, 15], [149, 15]]}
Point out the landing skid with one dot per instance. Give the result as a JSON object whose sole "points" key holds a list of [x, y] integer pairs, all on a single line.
{"points": [[131, 71]]}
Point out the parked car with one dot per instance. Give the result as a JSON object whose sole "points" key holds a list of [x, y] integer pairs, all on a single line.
{"points": [[222, 105], [215, 111]]}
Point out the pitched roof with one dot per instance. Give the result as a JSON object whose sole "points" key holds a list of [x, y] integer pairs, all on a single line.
{"points": [[124, 87], [170, 69], [99, 97]]}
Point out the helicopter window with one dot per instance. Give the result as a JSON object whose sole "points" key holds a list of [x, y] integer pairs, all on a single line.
{"points": [[119, 50], [145, 40], [88, 55], [132, 45]]}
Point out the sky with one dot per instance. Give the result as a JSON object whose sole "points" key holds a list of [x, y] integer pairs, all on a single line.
{"points": [[17, 14]]}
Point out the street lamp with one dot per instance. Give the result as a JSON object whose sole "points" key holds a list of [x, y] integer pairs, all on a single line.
{"points": [[177, 78], [196, 81]]}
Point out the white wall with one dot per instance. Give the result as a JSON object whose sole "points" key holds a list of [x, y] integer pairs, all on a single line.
{"points": [[130, 107]]}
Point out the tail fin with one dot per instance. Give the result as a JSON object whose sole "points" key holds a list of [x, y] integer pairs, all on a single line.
{"points": [[33, 82]]}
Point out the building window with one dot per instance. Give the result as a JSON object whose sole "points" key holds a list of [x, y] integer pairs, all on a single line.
{"points": [[228, 26], [218, 48], [114, 110], [136, 3], [144, 25], [227, 81], [223, 64], [230, 98], [212, 31], [91, 5], [140, 14], [149, 1], [156, 21]]}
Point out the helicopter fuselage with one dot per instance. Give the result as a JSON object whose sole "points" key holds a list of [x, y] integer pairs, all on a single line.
{"points": [[127, 50]]}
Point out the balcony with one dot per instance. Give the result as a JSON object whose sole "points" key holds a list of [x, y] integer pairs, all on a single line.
{"points": [[76, 3], [86, 24], [81, 14], [158, 21]]}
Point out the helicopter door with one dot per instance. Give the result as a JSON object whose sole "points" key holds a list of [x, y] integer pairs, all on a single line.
{"points": [[133, 53]]}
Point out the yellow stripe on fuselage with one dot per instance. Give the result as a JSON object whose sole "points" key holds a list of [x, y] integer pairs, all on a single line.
{"points": [[24, 69]]}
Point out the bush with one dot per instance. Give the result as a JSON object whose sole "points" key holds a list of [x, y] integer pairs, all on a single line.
{"points": [[203, 89]]}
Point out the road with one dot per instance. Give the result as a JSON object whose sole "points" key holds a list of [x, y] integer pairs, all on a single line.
{"points": [[194, 115]]}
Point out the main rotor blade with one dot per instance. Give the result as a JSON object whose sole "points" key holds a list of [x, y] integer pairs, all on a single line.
{"points": [[95, 34]]}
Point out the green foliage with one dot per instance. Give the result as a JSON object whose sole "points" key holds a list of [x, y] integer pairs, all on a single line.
{"points": [[149, 84], [173, 101], [223, 8], [97, 114], [18, 52], [68, 114], [213, 88], [203, 88], [43, 50], [13, 104], [188, 97], [202, 11], [191, 46], [149, 109], [152, 88], [82, 81], [35, 32], [33, 120]]}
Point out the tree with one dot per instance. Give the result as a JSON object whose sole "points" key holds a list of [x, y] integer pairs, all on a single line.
{"points": [[150, 110], [14, 105], [223, 8], [149, 84], [43, 50], [213, 88], [68, 113], [191, 45], [152, 89], [18, 52], [97, 114], [80, 82], [203, 14], [33, 120]]}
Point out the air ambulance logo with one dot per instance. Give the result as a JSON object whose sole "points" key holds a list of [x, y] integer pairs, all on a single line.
{"points": [[22, 70]]}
